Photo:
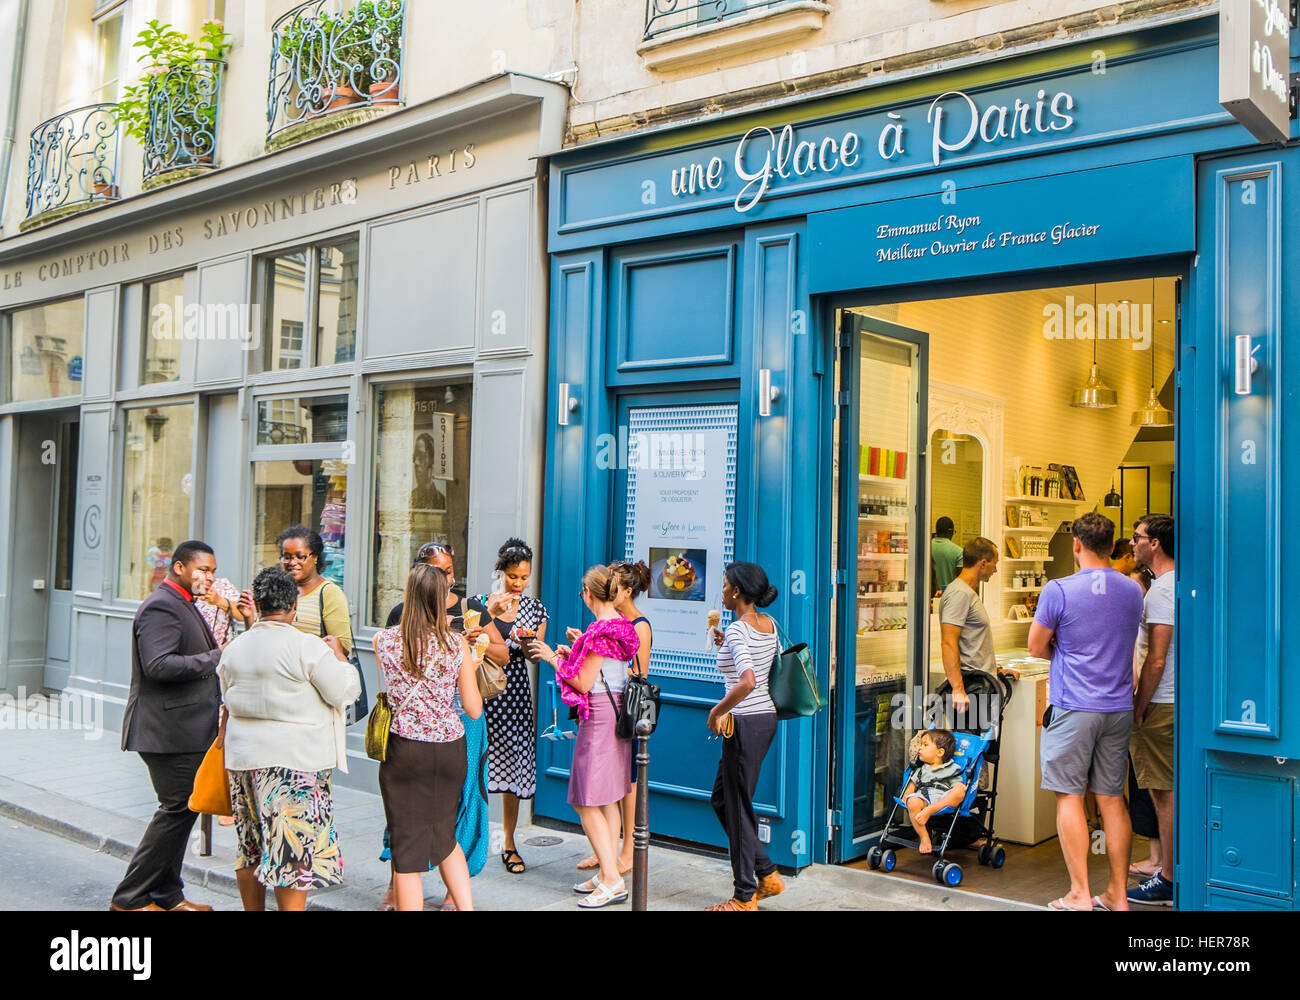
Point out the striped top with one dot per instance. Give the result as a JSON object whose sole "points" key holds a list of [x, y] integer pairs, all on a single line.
{"points": [[745, 648]]}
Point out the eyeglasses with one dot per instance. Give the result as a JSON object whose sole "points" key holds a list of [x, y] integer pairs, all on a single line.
{"points": [[285, 557], [1141, 538]]}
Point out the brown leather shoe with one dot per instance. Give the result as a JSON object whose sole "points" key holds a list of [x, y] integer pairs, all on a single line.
{"points": [[770, 885], [123, 909], [735, 904], [185, 904]]}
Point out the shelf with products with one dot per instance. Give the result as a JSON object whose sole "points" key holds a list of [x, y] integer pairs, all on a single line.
{"points": [[1045, 501], [1035, 531], [883, 598], [1031, 559], [871, 556], [867, 479], [894, 522]]}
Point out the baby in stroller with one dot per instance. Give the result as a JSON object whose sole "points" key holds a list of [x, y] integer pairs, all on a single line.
{"points": [[934, 784]]}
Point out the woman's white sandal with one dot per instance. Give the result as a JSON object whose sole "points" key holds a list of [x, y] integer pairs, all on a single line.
{"points": [[604, 895]]}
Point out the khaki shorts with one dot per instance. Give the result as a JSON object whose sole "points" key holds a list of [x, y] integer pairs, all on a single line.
{"points": [[1152, 747]]}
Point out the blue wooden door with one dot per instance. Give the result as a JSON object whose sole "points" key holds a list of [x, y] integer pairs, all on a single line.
{"points": [[1237, 704]]}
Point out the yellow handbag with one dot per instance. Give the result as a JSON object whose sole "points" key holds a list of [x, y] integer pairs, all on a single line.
{"points": [[211, 793], [381, 717]]}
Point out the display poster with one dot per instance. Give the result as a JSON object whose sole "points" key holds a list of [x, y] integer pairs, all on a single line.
{"points": [[681, 515]]}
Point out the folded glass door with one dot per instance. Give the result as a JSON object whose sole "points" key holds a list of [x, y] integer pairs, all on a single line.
{"points": [[881, 559]]}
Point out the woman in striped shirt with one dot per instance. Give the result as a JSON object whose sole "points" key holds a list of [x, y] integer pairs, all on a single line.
{"points": [[746, 652]]}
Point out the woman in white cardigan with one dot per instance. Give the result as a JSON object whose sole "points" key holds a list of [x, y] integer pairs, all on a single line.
{"points": [[284, 691]]}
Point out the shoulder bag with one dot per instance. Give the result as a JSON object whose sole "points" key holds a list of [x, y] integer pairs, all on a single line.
{"points": [[792, 681], [381, 721], [640, 701], [357, 710], [211, 792], [491, 678]]}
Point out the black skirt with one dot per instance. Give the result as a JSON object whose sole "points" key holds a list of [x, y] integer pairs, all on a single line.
{"points": [[420, 784]]}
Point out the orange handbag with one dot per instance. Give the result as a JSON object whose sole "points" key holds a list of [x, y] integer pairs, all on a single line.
{"points": [[211, 792]]}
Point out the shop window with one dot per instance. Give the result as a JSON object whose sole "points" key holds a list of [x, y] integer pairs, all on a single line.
{"points": [[165, 322], [302, 420], [45, 350], [157, 480], [421, 482], [309, 301], [300, 491]]}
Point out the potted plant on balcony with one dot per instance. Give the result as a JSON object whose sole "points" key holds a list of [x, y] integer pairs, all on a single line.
{"points": [[169, 84], [382, 48]]}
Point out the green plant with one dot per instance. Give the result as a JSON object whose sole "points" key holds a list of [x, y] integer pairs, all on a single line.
{"points": [[170, 56]]}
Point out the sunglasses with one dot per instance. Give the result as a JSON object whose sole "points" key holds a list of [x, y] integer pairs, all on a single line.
{"points": [[434, 549]]}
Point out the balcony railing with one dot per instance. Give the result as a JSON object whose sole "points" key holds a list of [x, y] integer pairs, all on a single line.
{"points": [[668, 15], [329, 56], [184, 104], [73, 160]]}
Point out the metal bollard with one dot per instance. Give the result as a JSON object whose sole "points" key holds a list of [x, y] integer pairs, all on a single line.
{"points": [[205, 835], [641, 822]]}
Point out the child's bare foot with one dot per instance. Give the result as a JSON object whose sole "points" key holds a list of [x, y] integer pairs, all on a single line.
{"points": [[925, 847]]}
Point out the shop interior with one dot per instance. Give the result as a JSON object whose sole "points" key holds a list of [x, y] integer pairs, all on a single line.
{"points": [[1040, 405]]}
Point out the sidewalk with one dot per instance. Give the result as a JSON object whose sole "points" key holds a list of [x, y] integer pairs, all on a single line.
{"points": [[89, 791]]}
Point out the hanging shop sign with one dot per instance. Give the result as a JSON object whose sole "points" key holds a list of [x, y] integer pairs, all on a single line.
{"points": [[1254, 66]]}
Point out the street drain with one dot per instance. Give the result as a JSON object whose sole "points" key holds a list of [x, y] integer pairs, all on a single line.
{"points": [[543, 842]]}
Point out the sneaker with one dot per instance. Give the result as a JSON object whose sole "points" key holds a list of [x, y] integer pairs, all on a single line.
{"points": [[735, 904], [770, 885], [1155, 891]]}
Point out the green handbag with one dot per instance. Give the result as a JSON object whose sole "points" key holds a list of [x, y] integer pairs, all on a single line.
{"points": [[792, 682]]}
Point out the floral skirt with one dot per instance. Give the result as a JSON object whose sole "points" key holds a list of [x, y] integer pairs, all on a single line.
{"points": [[284, 821]]}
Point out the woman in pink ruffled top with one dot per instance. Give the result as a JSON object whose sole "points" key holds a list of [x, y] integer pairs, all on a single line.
{"points": [[592, 676]]}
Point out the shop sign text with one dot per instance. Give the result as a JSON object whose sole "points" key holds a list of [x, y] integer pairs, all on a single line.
{"points": [[955, 124], [1254, 62]]}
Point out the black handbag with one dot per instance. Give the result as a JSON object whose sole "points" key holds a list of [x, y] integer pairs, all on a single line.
{"points": [[360, 708], [640, 701]]}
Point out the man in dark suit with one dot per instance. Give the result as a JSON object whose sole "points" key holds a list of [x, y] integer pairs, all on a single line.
{"points": [[170, 720]]}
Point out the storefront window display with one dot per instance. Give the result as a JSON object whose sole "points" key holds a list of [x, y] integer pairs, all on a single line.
{"points": [[164, 302], [421, 485], [157, 482], [313, 492], [45, 350], [309, 306]]}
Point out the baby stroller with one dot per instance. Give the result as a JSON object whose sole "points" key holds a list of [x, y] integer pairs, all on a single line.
{"points": [[973, 821]]}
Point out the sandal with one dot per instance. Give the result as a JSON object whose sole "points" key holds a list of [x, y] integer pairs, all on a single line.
{"points": [[604, 895], [516, 867]]}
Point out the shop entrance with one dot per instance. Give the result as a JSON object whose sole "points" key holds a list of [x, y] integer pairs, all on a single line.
{"points": [[44, 538], [1000, 416]]}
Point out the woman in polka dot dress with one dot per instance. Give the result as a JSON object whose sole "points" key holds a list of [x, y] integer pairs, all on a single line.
{"points": [[511, 722]]}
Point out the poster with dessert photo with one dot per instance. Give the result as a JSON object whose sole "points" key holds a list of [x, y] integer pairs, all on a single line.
{"points": [[678, 575]]}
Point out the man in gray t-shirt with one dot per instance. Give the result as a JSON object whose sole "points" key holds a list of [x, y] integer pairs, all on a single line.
{"points": [[967, 634]]}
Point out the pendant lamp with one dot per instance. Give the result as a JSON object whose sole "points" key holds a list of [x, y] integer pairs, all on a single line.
{"points": [[1094, 394], [949, 435], [1154, 413], [1112, 499]]}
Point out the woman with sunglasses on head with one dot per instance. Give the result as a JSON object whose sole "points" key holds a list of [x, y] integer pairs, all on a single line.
{"points": [[322, 606], [592, 676], [511, 723], [425, 665], [472, 828], [633, 580], [746, 653]]}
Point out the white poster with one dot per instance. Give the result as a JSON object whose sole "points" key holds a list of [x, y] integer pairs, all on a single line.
{"points": [[681, 490]]}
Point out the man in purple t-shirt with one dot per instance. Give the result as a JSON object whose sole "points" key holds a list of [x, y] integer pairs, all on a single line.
{"points": [[1087, 624]]}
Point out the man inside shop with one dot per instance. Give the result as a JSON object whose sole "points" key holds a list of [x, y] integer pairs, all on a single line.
{"points": [[966, 632], [1152, 744], [945, 554]]}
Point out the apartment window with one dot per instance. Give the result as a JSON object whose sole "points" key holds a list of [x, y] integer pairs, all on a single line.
{"points": [[164, 330], [302, 420], [108, 56], [309, 304], [157, 464], [421, 482], [45, 346]]}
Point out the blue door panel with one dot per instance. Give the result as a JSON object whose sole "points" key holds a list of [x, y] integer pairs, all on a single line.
{"points": [[1219, 899], [1250, 829]]}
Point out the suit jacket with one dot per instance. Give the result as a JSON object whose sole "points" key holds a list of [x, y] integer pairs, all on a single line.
{"points": [[175, 694]]}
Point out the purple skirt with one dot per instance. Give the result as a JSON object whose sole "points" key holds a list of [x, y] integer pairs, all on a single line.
{"points": [[601, 761]]}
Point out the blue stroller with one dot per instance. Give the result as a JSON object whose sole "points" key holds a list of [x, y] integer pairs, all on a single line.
{"points": [[951, 828]]}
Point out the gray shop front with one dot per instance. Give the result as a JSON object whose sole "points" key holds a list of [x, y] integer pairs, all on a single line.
{"points": [[349, 333]]}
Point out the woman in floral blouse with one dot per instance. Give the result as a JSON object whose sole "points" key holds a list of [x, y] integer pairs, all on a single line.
{"points": [[424, 663]]}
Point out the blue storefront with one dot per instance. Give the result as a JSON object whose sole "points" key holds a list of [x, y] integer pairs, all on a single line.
{"points": [[742, 298]]}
